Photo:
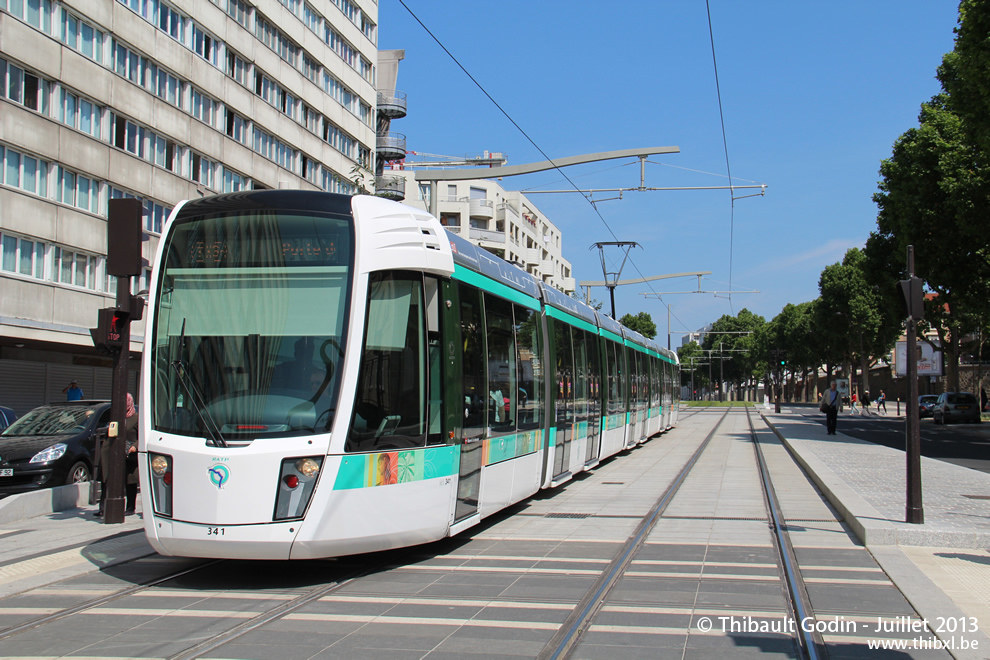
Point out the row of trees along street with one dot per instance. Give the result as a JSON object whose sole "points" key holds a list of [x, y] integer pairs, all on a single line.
{"points": [[934, 194]]}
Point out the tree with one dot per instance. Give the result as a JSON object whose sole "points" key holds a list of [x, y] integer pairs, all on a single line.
{"points": [[641, 323], [934, 196], [793, 331], [965, 72], [852, 314], [732, 342]]}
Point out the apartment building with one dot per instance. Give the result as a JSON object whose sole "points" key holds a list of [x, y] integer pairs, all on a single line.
{"points": [[504, 222], [159, 100]]}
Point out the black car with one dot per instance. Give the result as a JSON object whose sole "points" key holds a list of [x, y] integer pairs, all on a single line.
{"points": [[925, 404], [7, 417], [50, 446]]}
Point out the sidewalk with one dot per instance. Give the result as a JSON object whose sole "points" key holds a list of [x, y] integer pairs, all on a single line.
{"points": [[941, 566], [53, 534]]}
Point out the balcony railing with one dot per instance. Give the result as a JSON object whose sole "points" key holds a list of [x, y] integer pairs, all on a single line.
{"points": [[390, 187], [486, 235], [504, 209], [391, 146], [482, 208], [392, 103]]}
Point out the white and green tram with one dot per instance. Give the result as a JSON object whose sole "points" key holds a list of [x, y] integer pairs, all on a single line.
{"points": [[327, 375]]}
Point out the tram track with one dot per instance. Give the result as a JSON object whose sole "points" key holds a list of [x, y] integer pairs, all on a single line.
{"points": [[366, 596], [569, 634], [809, 643], [54, 617]]}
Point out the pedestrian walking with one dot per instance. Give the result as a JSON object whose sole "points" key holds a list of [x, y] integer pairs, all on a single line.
{"points": [[852, 407], [882, 402], [983, 399], [866, 401], [830, 406]]}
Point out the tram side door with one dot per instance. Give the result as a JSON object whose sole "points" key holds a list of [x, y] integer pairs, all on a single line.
{"points": [[467, 388]]}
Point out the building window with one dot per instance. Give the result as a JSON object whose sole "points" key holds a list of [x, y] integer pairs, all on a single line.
{"points": [[23, 256], [81, 36], [311, 170], [23, 87], [76, 269], [25, 172], [205, 45], [312, 18], [237, 68], [233, 182], [79, 113], [237, 10], [164, 85], [127, 63], [34, 12], [77, 190], [311, 119], [333, 182], [236, 126], [203, 107], [202, 170]]}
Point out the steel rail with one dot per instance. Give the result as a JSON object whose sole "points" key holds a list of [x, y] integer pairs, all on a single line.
{"points": [[810, 643], [574, 626]]}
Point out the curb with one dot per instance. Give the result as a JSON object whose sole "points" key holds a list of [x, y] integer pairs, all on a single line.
{"points": [[853, 508], [871, 527], [22, 506]]}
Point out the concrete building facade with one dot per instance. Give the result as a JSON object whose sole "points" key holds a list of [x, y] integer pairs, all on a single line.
{"points": [[162, 100], [504, 222]]}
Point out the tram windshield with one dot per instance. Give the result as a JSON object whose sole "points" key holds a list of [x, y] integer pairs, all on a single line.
{"points": [[250, 327]]}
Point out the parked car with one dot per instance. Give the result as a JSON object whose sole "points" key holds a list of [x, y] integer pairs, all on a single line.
{"points": [[7, 417], [925, 404], [956, 406], [50, 446]]}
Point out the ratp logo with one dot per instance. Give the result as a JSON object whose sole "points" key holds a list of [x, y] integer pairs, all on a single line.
{"points": [[219, 475]]}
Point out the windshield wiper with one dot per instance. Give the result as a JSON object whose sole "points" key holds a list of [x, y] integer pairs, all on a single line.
{"points": [[198, 403]]}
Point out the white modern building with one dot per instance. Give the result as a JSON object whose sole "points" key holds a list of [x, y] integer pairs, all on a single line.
{"points": [[161, 100], [504, 222]]}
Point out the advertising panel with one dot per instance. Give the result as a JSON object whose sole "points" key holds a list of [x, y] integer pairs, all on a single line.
{"points": [[929, 359]]}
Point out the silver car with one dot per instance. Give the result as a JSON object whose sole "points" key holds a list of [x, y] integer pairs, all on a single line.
{"points": [[956, 407]]}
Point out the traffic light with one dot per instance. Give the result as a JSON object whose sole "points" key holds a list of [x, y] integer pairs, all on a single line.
{"points": [[913, 298], [782, 358], [107, 333]]}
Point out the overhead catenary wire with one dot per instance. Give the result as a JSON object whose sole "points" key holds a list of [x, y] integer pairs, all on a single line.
{"points": [[526, 135], [725, 145]]}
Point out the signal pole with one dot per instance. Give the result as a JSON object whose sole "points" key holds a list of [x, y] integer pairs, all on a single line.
{"points": [[914, 299], [113, 334]]}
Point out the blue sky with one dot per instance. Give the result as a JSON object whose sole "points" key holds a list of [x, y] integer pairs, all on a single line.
{"points": [[813, 96]]}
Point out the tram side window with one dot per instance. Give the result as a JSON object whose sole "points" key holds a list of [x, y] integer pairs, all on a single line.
{"points": [[529, 345], [473, 365], [390, 400], [594, 381], [564, 404], [579, 339], [502, 381], [614, 393]]}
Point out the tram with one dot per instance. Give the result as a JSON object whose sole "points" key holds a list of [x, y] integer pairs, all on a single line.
{"points": [[327, 375]]}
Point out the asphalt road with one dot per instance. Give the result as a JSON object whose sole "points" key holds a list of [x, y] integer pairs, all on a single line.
{"points": [[967, 445]]}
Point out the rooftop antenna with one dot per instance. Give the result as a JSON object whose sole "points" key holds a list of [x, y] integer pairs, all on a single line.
{"points": [[612, 279]]}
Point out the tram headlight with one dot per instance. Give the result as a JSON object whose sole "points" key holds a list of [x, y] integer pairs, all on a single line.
{"points": [[161, 483], [296, 483], [307, 467]]}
